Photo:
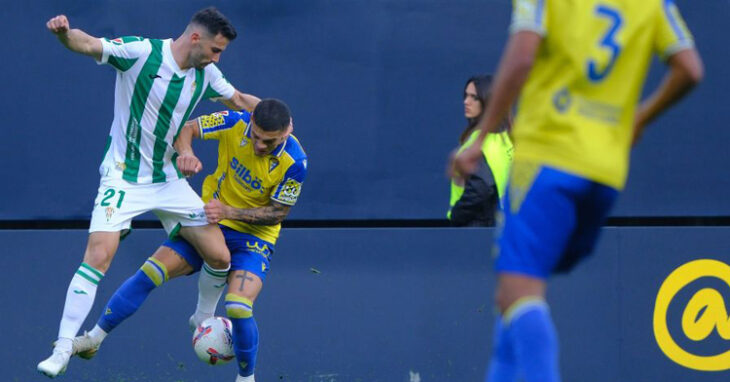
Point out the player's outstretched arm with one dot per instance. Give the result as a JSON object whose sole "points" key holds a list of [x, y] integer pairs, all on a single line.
{"points": [[187, 162], [272, 214], [242, 101], [685, 71], [75, 40]]}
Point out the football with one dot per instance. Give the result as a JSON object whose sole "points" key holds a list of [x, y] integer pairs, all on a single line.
{"points": [[213, 341]]}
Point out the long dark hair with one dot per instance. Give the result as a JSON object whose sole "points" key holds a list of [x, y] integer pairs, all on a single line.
{"points": [[483, 84]]}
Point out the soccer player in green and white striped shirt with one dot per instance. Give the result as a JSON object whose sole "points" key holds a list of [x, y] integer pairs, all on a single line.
{"points": [[158, 84]]}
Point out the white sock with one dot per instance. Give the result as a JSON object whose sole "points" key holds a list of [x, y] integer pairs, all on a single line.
{"points": [[79, 299], [63, 344], [97, 333], [210, 289]]}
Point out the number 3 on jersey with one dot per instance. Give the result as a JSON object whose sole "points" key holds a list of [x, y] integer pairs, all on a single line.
{"points": [[608, 41]]}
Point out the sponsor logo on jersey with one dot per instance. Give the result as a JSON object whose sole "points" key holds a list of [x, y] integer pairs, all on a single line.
{"points": [[245, 177], [562, 100], [703, 317], [195, 215], [260, 248]]}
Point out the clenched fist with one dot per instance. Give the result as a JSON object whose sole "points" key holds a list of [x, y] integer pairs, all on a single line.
{"points": [[58, 24]]}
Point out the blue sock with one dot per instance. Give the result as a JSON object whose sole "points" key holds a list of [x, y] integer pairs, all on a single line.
{"points": [[245, 332], [503, 365], [130, 296], [534, 339]]}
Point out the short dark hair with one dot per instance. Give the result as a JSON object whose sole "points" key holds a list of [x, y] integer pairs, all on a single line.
{"points": [[271, 115], [214, 22]]}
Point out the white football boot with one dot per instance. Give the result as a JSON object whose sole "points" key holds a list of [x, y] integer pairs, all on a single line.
{"points": [[194, 321], [85, 346], [55, 365]]}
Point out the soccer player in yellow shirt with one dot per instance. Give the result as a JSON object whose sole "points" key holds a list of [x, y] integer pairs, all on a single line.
{"points": [[579, 68], [261, 168]]}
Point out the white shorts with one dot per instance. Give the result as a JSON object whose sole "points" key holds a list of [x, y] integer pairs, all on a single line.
{"points": [[118, 202]]}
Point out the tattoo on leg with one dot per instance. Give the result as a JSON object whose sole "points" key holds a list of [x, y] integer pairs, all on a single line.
{"points": [[245, 277]]}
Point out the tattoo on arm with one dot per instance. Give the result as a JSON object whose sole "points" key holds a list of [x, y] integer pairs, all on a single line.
{"points": [[245, 277], [270, 215]]}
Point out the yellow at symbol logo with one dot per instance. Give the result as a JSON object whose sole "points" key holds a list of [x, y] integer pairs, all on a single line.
{"points": [[697, 329]]}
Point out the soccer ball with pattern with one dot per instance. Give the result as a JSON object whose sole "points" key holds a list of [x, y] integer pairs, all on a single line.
{"points": [[213, 341]]}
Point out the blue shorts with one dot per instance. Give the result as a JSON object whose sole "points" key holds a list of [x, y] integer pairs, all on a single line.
{"points": [[248, 253], [551, 220]]}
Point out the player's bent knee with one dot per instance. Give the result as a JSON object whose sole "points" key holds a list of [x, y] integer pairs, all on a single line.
{"points": [[155, 270], [219, 263], [99, 258], [218, 258], [238, 306]]}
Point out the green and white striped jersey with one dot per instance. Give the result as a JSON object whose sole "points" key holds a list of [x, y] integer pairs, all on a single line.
{"points": [[153, 98]]}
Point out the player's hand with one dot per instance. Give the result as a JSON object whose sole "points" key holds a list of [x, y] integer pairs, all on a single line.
{"points": [[465, 163], [189, 164], [215, 211], [58, 24]]}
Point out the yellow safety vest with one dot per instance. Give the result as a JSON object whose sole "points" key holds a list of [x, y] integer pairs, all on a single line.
{"points": [[497, 150]]}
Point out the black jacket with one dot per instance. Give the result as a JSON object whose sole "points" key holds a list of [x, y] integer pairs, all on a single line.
{"points": [[480, 200]]}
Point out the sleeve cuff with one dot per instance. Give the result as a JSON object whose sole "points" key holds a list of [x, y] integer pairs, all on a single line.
{"points": [[527, 27], [676, 48], [104, 52]]}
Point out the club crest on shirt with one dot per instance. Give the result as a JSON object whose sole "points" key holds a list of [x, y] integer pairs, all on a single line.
{"points": [[244, 142], [273, 164], [109, 213]]}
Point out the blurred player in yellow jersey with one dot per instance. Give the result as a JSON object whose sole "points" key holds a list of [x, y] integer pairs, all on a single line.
{"points": [[261, 167], [579, 67]]}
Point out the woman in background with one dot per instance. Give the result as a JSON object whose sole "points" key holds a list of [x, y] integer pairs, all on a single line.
{"points": [[474, 200]]}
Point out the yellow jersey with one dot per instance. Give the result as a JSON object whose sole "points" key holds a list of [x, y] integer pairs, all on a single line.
{"points": [[245, 180], [576, 109]]}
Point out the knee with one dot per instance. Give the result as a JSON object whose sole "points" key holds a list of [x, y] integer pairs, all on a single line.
{"points": [[507, 295], [220, 258], [98, 256], [502, 300], [238, 306], [219, 263]]}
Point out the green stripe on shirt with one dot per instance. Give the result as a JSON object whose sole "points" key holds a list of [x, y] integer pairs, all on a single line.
{"points": [[163, 126], [142, 88]]}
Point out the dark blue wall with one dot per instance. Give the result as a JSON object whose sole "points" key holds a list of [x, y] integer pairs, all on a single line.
{"points": [[384, 303], [375, 87]]}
